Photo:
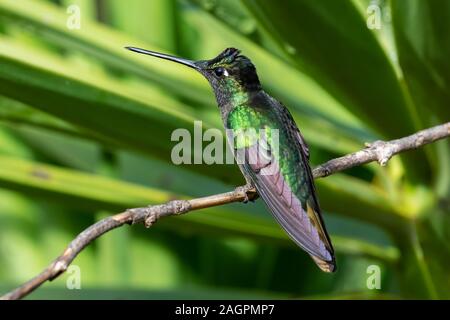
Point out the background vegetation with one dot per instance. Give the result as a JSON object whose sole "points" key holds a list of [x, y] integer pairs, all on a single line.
{"points": [[85, 132]]}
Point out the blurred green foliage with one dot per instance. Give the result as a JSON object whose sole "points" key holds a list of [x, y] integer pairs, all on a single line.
{"points": [[85, 132]]}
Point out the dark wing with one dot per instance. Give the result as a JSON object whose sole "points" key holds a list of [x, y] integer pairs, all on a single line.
{"points": [[297, 211]]}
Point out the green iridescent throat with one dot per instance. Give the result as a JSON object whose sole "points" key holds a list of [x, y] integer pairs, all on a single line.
{"points": [[238, 95]]}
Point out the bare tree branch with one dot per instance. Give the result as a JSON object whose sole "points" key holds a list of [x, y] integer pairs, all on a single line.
{"points": [[380, 151]]}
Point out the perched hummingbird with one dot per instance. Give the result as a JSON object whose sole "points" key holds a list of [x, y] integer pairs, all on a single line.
{"points": [[288, 187]]}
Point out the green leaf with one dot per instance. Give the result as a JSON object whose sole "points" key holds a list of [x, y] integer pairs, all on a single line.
{"points": [[78, 189], [134, 115], [357, 247], [314, 101], [423, 45], [152, 21], [17, 114], [425, 257], [55, 292], [137, 119], [297, 89], [106, 45], [355, 198], [319, 116], [130, 120], [342, 54]]}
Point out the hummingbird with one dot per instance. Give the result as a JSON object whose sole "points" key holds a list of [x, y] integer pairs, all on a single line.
{"points": [[281, 176]]}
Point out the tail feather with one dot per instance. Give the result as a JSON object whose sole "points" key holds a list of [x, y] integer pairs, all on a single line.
{"points": [[326, 266]]}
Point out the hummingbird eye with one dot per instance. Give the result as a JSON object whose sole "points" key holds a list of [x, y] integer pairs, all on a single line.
{"points": [[219, 72]]}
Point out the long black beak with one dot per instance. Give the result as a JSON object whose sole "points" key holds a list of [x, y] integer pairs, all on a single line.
{"points": [[186, 62]]}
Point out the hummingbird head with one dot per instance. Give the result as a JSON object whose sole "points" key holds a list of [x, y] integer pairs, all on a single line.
{"points": [[230, 74]]}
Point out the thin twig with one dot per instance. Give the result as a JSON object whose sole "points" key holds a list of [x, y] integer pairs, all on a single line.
{"points": [[378, 151], [382, 151]]}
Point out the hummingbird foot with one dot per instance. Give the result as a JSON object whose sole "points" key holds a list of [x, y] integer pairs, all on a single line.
{"points": [[249, 192]]}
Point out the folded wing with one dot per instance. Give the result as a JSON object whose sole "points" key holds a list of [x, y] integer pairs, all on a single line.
{"points": [[289, 193]]}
